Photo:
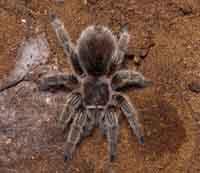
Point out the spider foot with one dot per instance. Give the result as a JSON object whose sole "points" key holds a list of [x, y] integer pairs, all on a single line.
{"points": [[141, 140], [67, 156], [112, 157], [124, 28]]}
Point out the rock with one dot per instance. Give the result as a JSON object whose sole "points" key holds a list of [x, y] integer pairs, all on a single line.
{"points": [[31, 53]]}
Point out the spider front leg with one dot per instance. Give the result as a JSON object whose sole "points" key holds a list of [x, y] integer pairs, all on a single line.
{"points": [[75, 132], [58, 81], [111, 130], [66, 43], [131, 114], [122, 49]]}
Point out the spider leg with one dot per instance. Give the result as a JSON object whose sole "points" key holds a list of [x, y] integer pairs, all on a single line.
{"points": [[131, 114], [75, 132], [102, 124], [66, 43], [122, 49], [74, 100], [58, 81], [111, 125], [90, 123], [126, 78]]}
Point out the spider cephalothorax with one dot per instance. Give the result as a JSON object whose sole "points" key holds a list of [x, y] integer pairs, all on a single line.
{"points": [[98, 78]]}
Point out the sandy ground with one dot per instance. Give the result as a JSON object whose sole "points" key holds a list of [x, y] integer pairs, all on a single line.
{"points": [[165, 38]]}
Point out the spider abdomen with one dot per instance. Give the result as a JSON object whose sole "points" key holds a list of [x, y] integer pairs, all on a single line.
{"points": [[96, 92], [96, 46]]}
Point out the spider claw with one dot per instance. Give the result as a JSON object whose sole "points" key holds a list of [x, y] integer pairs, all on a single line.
{"points": [[67, 157], [141, 140], [52, 16], [112, 157], [124, 27]]}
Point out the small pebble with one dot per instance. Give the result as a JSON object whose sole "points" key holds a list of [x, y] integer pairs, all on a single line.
{"points": [[8, 141], [195, 86], [137, 60], [186, 10], [48, 100], [196, 116], [85, 2], [148, 133], [23, 20]]}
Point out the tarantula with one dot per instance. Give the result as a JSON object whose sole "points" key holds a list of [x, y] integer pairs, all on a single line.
{"points": [[95, 98]]}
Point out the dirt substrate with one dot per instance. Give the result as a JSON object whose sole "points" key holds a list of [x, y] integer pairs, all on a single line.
{"points": [[165, 37]]}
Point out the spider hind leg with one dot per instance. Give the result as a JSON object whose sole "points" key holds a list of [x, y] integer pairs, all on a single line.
{"points": [[111, 127], [131, 114], [90, 123], [76, 130], [74, 100]]}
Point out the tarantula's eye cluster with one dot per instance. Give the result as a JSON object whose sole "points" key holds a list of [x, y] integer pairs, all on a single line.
{"points": [[96, 46], [95, 97]]}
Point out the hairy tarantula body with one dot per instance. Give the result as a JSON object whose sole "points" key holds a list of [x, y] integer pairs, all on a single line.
{"points": [[95, 99]]}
